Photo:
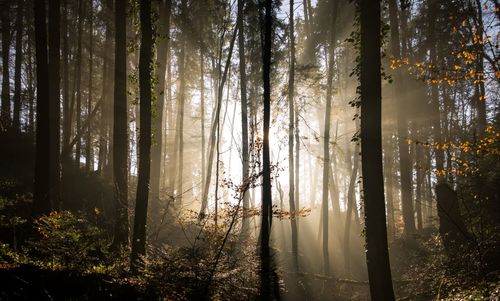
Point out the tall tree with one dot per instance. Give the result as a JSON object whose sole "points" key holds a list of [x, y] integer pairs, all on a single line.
{"points": [[377, 254], [244, 111], [141, 202], [89, 158], [265, 252], [402, 127], [55, 98], [5, 117], [66, 125], [16, 123], [78, 84], [41, 195], [163, 46], [120, 128], [213, 130], [326, 138], [291, 131]]}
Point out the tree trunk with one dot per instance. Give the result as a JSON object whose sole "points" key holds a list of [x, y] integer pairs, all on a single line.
{"points": [[244, 118], [120, 129], [66, 125], [326, 139], [141, 203], [55, 99], [89, 158], [351, 202], [377, 254], [163, 31], [79, 83], [291, 128], [265, 253], [41, 195], [180, 126], [206, 187], [17, 67], [402, 128], [5, 118]]}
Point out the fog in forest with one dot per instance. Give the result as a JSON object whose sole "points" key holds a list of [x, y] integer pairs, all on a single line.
{"points": [[250, 150]]}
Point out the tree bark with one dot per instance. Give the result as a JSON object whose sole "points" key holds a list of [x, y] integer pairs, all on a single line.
{"points": [[326, 138], [265, 253], [78, 71], [41, 195], [55, 99], [141, 203], [5, 117], [244, 116], [291, 129], [163, 46], [402, 128], [377, 254], [17, 67], [206, 187], [120, 129], [89, 157]]}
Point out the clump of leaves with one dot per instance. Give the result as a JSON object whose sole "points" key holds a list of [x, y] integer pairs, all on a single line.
{"points": [[69, 241]]}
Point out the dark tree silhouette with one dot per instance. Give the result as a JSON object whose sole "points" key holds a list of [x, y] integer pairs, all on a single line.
{"points": [[377, 254], [265, 252], [41, 195], [120, 131], [141, 202]]}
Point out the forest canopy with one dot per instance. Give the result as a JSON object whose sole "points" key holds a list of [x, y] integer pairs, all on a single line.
{"points": [[250, 150]]}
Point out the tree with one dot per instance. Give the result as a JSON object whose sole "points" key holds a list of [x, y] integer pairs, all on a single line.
{"points": [[163, 46], [78, 84], [377, 254], [41, 195], [326, 139], [55, 99], [244, 111], [16, 123], [5, 110], [402, 127], [141, 202], [291, 128], [265, 252], [120, 129]]}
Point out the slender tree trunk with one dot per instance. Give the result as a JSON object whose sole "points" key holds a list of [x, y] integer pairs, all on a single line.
{"points": [[41, 195], [389, 184], [89, 158], [30, 81], [17, 67], [265, 253], [202, 113], [326, 138], [66, 125], [402, 128], [79, 82], [351, 202], [120, 129], [5, 118], [141, 204], [206, 187], [180, 126], [377, 254], [244, 117], [480, 91], [164, 27], [291, 128], [55, 99]]}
